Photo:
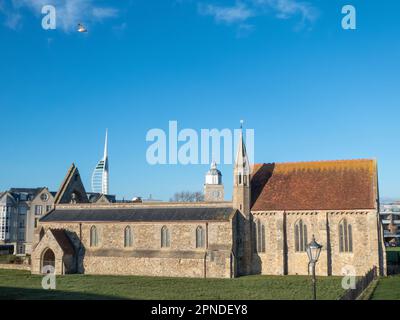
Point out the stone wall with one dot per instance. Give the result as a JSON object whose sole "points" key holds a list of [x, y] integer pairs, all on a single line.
{"points": [[145, 256], [272, 260], [297, 262], [280, 256], [64, 263], [13, 266], [366, 241]]}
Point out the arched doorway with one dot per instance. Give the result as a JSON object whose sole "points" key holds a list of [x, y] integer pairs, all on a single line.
{"points": [[48, 259]]}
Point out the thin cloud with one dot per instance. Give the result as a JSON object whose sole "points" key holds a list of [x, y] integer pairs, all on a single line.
{"points": [[103, 13], [286, 9], [69, 12], [233, 14], [241, 12], [11, 19]]}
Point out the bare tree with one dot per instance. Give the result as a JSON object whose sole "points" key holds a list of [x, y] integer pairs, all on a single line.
{"points": [[187, 196]]}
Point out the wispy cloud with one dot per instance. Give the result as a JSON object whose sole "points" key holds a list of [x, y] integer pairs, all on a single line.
{"points": [[11, 19], [237, 13], [243, 11], [69, 12], [103, 13], [286, 9]]}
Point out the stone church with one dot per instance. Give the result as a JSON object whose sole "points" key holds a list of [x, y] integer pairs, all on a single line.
{"points": [[265, 229]]}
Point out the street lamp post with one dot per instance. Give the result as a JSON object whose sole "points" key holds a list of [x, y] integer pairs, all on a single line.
{"points": [[313, 252]]}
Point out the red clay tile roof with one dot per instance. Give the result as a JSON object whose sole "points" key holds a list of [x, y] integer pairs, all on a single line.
{"points": [[319, 185]]}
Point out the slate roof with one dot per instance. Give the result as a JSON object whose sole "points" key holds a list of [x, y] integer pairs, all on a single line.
{"points": [[30, 192], [63, 240], [140, 214], [95, 196], [33, 191], [319, 185]]}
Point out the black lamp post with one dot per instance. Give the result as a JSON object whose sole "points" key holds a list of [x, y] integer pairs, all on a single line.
{"points": [[313, 251]]}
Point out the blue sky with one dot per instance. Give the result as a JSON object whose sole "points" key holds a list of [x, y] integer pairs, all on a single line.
{"points": [[309, 89]]}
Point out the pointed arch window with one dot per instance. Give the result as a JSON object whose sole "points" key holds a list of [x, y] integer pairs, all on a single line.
{"points": [[345, 236], [300, 236], [260, 236], [200, 241], [128, 237], [165, 238], [94, 238]]}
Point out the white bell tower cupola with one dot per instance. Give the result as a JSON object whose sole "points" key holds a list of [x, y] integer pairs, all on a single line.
{"points": [[213, 187], [213, 175]]}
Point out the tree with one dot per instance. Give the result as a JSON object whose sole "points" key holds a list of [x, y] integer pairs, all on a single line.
{"points": [[187, 196]]}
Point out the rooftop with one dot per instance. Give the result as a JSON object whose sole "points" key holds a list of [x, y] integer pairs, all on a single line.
{"points": [[139, 214], [317, 185]]}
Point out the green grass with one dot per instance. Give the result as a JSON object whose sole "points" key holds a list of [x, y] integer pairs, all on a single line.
{"points": [[388, 288], [393, 249], [15, 284]]}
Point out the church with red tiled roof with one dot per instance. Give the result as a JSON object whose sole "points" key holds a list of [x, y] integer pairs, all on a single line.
{"points": [[277, 209]]}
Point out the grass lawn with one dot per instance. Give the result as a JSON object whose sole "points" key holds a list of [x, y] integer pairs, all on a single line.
{"points": [[388, 288], [15, 284]]}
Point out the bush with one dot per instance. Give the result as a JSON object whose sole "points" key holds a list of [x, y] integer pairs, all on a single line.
{"points": [[9, 258]]}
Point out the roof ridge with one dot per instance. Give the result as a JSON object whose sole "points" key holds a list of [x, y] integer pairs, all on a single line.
{"points": [[315, 161]]}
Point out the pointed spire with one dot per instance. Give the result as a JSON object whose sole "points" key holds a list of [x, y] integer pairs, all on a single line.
{"points": [[106, 146], [242, 160]]}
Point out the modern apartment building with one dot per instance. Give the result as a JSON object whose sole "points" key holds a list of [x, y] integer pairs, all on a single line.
{"points": [[390, 217], [20, 210]]}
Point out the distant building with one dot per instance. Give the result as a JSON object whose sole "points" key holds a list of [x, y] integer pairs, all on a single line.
{"points": [[150, 199], [390, 217], [100, 174], [20, 210], [213, 187]]}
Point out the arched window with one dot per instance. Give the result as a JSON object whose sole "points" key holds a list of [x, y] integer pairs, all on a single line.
{"points": [[94, 239], [260, 236], [165, 241], [345, 236], [300, 236], [128, 237], [200, 237]]}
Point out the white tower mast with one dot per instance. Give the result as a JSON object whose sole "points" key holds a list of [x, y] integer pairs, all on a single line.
{"points": [[100, 174]]}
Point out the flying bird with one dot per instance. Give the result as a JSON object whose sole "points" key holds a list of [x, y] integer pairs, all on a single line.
{"points": [[81, 28]]}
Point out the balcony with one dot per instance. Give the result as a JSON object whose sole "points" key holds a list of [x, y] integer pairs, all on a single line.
{"points": [[388, 234]]}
